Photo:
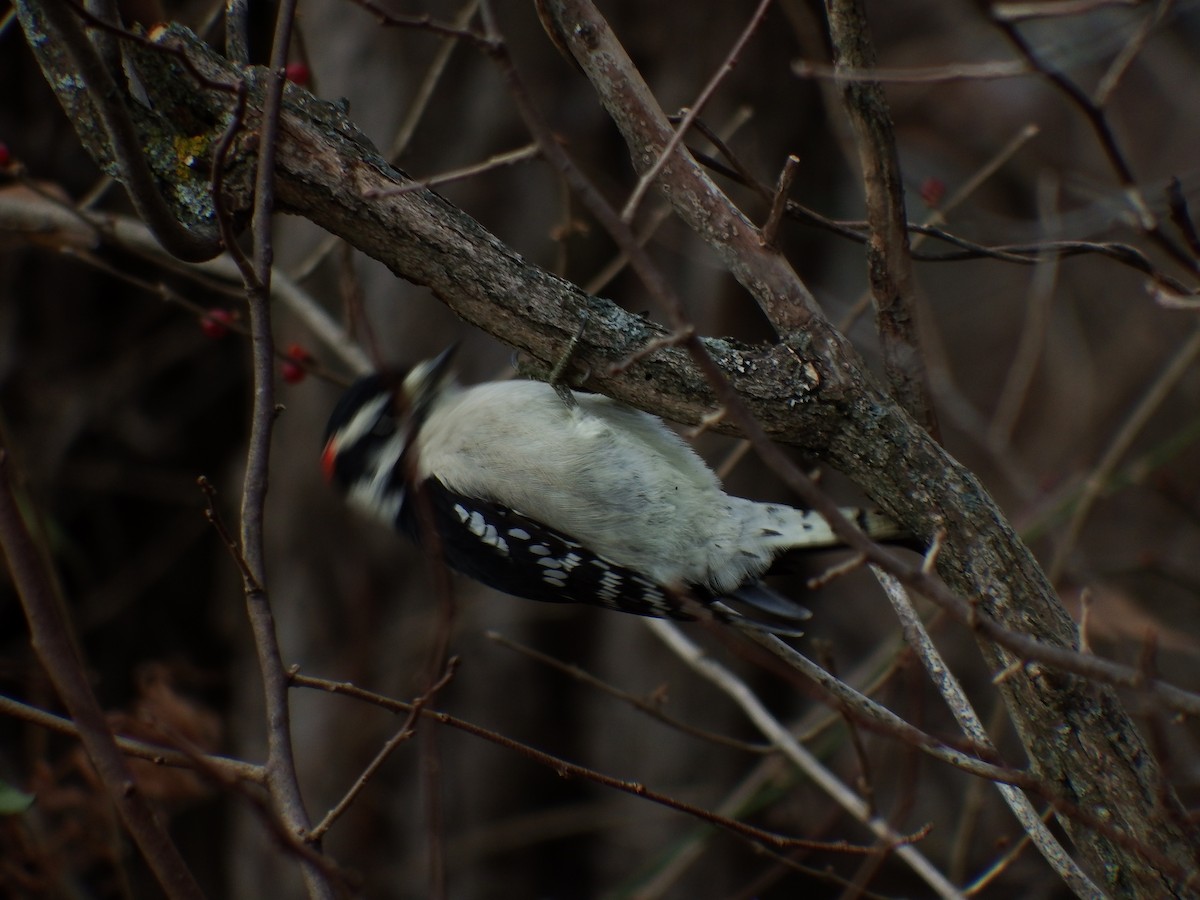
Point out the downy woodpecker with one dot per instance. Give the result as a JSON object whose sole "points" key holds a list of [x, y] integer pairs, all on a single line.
{"points": [[565, 497]]}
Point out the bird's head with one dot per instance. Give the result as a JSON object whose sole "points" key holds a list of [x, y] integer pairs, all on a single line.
{"points": [[376, 420]]}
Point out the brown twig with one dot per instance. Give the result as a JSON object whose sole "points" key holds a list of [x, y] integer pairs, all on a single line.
{"points": [[404, 733], [808, 764], [1021, 254], [567, 769], [873, 716], [649, 707], [866, 788], [1129, 52], [889, 264], [667, 152], [282, 778], [836, 571], [1181, 217], [498, 161], [939, 74], [1021, 9], [770, 229], [213, 516], [1019, 378], [1117, 158], [951, 691], [426, 22], [1101, 475], [159, 755]]}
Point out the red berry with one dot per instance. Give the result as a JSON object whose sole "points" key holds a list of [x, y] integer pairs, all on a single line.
{"points": [[297, 73], [295, 367], [215, 323], [932, 191]]}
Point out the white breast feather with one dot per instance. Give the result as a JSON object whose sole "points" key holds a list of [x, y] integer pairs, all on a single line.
{"points": [[616, 479]]}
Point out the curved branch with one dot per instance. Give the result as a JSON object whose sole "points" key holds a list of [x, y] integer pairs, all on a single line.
{"points": [[60, 29]]}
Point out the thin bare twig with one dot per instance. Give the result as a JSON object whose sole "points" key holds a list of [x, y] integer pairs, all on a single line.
{"points": [[1116, 155], [889, 263], [952, 693], [770, 229], [457, 30], [1033, 332], [567, 769], [1016, 11], [1100, 477], [155, 753], [1002, 863], [282, 779], [836, 571], [1181, 217], [833, 787], [649, 707], [865, 784], [414, 112], [404, 733], [690, 114], [898, 727], [916, 74], [212, 515], [931, 228], [1129, 52], [500, 160], [416, 107]]}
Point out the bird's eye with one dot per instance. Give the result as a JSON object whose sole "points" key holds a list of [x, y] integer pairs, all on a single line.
{"points": [[383, 427]]}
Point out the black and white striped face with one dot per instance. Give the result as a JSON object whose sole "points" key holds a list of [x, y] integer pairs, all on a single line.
{"points": [[364, 446], [370, 430]]}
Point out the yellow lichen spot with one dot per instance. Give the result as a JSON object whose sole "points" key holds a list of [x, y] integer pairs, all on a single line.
{"points": [[189, 151]]}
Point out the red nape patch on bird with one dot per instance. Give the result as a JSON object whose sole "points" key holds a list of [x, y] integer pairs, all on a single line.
{"points": [[328, 461]]}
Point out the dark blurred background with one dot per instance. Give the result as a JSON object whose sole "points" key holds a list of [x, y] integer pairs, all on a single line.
{"points": [[113, 401]]}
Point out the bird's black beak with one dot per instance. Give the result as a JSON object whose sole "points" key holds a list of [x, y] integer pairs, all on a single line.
{"points": [[440, 364]]}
